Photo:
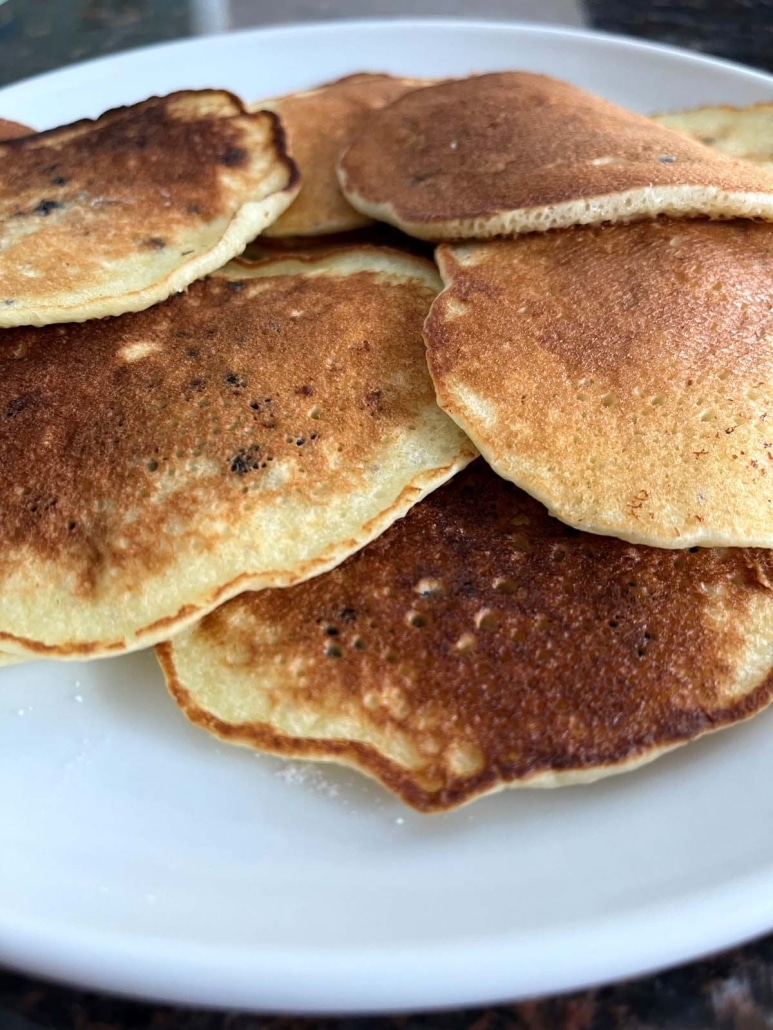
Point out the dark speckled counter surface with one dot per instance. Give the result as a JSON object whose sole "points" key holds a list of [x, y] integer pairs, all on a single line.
{"points": [[732, 991]]}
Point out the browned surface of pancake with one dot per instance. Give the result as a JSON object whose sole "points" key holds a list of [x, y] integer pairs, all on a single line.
{"points": [[513, 151], [319, 123], [480, 643], [11, 130], [623, 375], [107, 216], [252, 431]]}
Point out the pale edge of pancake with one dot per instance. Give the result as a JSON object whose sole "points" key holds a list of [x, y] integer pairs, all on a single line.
{"points": [[628, 205], [20, 648], [248, 222], [741, 132], [187, 673], [11, 659], [445, 451]]}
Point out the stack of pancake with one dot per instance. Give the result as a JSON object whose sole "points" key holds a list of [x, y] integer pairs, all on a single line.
{"points": [[250, 473]]}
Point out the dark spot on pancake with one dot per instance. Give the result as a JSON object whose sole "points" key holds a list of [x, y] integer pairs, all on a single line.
{"points": [[9, 301], [255, 405], [236, 285], [71, 526], [191, 352], [197, 385], [332, 631], [59, 180], [192, 209], [234, 157], [233, 379], [300, 441], [185, 253], [347, 615], [41, 505], [374, 401], [246, 459], [641, 650], [333, 651], [153, 465], [45, 207], [305, 391], [140, 141], [667, 159], [154, 243], [19, 404]]}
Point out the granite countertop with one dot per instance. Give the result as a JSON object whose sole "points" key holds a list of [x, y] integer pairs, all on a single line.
{"points": [[734, 990]]}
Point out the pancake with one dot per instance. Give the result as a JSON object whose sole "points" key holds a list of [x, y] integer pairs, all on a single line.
{"points": [[12, 130], [251, 432], [740, 132], [319, 123], [623, 375], [480, 644], [108, 216], [514, 152]]}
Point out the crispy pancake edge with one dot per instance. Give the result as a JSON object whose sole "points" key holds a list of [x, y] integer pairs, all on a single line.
{"points": [[741, 687], [366, 759]]}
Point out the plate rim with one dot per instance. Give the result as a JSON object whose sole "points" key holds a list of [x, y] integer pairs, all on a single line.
{"points": [[144, 970], [379, 24]]}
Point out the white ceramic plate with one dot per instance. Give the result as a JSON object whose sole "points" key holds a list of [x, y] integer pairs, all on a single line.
{"points": [[141, 856]]}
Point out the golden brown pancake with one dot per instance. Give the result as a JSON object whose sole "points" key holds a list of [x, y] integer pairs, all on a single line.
{"points": [[514, 152], [12, 130], [480, 644], [319, 123], [622, 375], [741, 132], [108, 216], [251, 432]]}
